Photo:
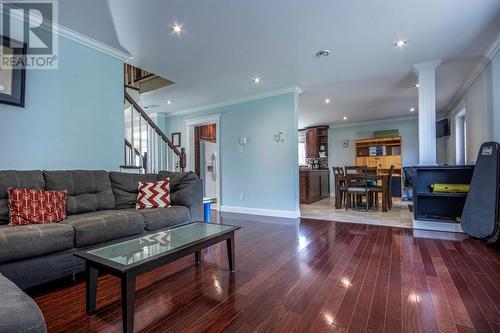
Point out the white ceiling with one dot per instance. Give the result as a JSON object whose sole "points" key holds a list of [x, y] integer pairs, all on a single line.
{"points": [[227, 42]]}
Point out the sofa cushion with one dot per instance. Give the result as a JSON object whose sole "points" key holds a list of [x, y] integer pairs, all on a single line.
{"points": [[178, 179], [18, 311], [33, 240], [106, 225], [88, 191], [158, 218], [125, 187], [19, 179]]}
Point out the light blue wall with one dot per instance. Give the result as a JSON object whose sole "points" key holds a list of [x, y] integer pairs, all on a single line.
{"points": [[482, 105], [339, 156], [495, 65], [267, 171], [73, 116]]}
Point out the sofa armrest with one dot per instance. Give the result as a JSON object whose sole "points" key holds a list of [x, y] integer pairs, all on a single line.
{"points": [[189, 194]]}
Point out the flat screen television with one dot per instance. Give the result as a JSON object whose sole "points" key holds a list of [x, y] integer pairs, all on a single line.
{"points": [[442, 128]]}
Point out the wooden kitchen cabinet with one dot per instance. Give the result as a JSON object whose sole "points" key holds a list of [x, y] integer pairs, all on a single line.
{"points": [[316, 141], [208, 132], [314, 185]]}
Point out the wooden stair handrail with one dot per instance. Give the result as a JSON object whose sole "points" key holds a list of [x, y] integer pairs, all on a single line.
{"points": [[181, 153], [152, 124], [129, 145]]}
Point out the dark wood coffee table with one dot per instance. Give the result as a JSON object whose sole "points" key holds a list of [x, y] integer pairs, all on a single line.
{"points": [[128, 259]]}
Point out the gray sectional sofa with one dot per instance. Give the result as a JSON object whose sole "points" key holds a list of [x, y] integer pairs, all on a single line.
{"points": [[101, 209], [18, 312]]}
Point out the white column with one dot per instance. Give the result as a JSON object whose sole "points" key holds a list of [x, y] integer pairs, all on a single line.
{"points": [[427, 111]]}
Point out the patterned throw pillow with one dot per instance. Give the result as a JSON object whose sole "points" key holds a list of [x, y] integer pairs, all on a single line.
{"points": [[153, 195], [28, 206]]}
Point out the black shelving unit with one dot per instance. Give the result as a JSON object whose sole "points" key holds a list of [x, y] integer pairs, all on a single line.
{"points": [[434, 206]]}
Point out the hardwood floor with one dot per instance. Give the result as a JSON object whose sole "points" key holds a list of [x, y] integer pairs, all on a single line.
{"points": [[318, 276]]}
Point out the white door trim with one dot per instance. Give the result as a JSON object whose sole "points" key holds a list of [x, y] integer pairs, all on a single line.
{"points": [[190, 125]]}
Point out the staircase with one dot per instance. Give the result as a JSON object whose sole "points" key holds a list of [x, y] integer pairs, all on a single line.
{"points": [[146, 148]]}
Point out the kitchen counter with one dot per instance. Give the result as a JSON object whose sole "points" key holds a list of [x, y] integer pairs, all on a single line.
{"points": [[314, 185]]}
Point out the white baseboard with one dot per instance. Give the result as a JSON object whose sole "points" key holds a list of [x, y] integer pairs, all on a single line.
{"points": [[437, 226], [259, 211]]}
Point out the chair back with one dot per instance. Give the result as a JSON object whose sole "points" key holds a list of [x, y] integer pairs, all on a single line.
{"points": [[391, 172], [361, 180], [408, 176], [353, 169]]}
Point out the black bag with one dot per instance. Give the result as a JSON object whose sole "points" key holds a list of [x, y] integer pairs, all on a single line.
{"points": [[480, 214]]}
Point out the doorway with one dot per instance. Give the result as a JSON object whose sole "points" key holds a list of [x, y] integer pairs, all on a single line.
{"points": [[202, 150]]}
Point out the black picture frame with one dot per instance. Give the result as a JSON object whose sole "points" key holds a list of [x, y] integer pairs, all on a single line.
{"points": [[176, 139], [18, 84]]}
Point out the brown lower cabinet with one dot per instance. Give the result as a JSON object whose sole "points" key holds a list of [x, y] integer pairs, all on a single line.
{"points": [[314, 185]]}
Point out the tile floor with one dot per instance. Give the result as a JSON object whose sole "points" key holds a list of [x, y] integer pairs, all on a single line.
{"points": [[398, 216]]}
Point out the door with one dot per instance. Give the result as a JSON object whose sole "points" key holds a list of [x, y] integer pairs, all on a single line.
{"points": [[208, 168]]}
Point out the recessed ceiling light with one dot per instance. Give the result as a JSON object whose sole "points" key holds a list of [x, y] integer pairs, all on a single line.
{"points": [[323, 53], [412, 109], [169, 102], [417, 85], [256, 80], [400, 43], [345, 118], [176, 28], [327, 100]]}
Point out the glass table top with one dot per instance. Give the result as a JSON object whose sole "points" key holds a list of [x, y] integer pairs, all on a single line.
{"points": [[134, 250]]}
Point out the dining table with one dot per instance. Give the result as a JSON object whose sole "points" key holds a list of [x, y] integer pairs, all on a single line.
{"points": [[380, 178]]}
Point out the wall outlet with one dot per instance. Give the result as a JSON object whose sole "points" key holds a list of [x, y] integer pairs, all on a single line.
{"points": [[242, 196]]}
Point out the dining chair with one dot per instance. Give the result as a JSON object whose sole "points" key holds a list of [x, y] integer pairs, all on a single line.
{"points": [[357, 187], [375, 190], [354, 169], [338, 172]]}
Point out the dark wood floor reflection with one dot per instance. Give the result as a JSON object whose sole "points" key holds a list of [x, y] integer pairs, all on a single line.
{"points": [[318, 276]]}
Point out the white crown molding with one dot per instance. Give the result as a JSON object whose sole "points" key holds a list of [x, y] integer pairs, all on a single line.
{"points": [[494, 47], [94, 44], [491, 51], [213, 118], [378, 121], [296, 90], [75, 36], [261, 212]]}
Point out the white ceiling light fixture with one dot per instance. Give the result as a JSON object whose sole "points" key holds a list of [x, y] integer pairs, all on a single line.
{"points": [[176, 28], [323, 53], [345, 118], [327, 100], [256, 80], [169, 102], [417, 85], [400, 43], [412, 109]]}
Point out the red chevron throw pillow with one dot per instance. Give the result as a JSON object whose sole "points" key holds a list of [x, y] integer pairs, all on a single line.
{"points": [[153, 195], [27, 206]]}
